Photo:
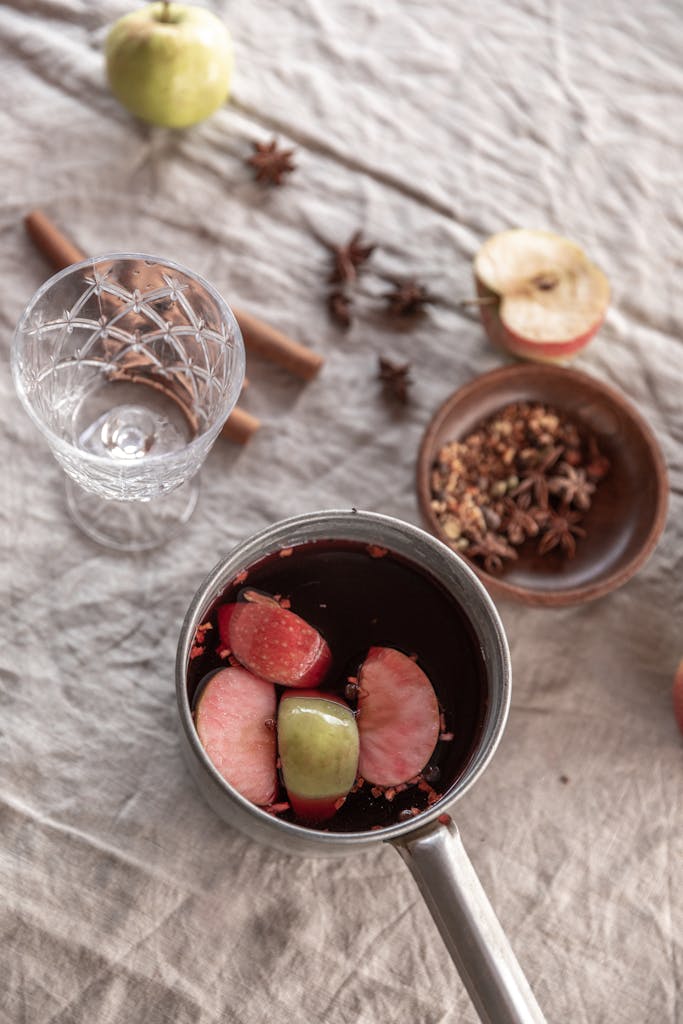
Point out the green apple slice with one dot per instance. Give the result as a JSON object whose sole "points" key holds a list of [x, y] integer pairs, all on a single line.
{"points": [[318, 746]]}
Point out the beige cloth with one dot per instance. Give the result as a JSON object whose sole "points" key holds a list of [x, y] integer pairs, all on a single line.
{"points": [[430, 125]]}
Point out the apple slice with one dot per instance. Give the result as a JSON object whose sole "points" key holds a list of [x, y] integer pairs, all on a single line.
{"points": [[542, 297], [273, 642], [677, 695], [230, 718], [318, 744], [398, 719]]}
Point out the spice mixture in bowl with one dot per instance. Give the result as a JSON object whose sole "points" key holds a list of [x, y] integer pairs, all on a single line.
{"points": [[527, 473], [547, 481]]}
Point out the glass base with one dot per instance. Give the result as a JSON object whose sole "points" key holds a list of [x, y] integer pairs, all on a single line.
{"points": [[132, 525]]}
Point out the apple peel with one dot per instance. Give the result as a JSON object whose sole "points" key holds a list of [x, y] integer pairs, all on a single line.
{"points": [[398, 717], [274, 643], [677, 695]]}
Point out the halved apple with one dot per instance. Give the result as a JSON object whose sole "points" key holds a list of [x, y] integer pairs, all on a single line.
{"points": [[543, 299]]}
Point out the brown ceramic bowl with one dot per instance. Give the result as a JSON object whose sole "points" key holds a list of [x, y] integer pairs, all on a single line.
{"points": [[628, 511]]}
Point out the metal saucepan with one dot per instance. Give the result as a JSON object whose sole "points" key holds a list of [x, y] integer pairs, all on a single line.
{"points": [[429, 843]]}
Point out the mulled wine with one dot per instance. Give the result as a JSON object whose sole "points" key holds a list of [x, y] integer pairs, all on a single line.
{"points": [[360, 598]]}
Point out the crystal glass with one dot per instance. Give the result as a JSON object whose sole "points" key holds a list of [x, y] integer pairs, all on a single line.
{"points": [[129, 366]]}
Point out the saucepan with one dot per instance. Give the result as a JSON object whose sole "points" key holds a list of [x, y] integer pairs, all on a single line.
{"points": [[429, 843]]}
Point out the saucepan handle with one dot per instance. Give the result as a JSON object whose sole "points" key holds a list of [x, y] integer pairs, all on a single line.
{"points": [[468, 925]]}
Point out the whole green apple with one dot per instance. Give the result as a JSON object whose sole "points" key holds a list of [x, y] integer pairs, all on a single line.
{"points": [[170, 64]]}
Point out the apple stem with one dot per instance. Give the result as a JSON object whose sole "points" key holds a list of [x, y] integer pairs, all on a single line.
{"points": [[484, 300], [166, 10]]}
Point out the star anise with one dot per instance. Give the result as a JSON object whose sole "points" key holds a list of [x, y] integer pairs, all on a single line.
{"points": [[535, 479], [271, 163], [572, 486], [519, 523], [339, 306], [348, 258], [492, 548], [561, 532], [598, 464], [537, 512], [407, 298], [394, 377]]}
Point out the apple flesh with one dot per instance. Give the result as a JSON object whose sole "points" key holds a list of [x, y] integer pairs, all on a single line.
{"points": [[233, 709], [398, 717], [540, 296], [170, 64], [318, 746]]}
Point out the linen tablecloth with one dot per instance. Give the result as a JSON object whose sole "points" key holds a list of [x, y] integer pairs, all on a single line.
{"points": [[428, 125]]}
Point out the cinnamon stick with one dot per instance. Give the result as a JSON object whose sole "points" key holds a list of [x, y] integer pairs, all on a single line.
{"points": [[55, 246], [240, 426], [259, 337], [62, 253], [267, 341]]}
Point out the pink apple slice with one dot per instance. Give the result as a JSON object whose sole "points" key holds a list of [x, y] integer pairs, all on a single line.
{"points": [[274, 643], [677, 695], [318, 745], [398, 717], [551, 299], [230, 718]]}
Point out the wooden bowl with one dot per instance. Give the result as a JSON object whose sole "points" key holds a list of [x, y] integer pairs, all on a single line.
{"points": [[628, 512]]}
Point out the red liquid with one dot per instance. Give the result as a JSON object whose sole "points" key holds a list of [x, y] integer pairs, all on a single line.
{"points": [[358, 601]]}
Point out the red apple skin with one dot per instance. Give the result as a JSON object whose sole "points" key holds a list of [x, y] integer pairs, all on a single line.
{"points": [[538, 351], [274, 643], [677, 695], [548, 351], [312, 811]]}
